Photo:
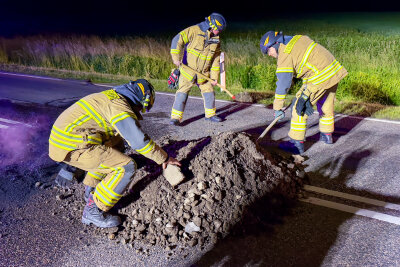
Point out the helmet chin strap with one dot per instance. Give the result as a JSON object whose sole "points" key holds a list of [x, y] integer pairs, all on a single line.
{"points": [[145, 103]]}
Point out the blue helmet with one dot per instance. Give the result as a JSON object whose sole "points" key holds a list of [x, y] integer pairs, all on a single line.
{"points": [[216, 21], [268, 40], [139, 93]]}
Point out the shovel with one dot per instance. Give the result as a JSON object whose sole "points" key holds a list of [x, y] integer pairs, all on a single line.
{"points": [[208, 79], [271, 124]]}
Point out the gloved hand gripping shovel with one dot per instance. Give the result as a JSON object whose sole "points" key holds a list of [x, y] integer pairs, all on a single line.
{"points": [[271, 124]]}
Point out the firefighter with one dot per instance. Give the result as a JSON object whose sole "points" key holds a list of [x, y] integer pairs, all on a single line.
{"points": [[199, 47], [299, 56], [88, 135]]}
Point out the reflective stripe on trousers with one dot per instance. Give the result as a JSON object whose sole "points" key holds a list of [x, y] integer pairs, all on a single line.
{"points": [[209, 104], [179, 106], [109, 170]]}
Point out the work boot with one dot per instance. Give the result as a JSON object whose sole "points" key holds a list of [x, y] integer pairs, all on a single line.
{"points": [[298, 144], [174, 122], [88, 190], [214, 118], [92, 214], [326, 137]]}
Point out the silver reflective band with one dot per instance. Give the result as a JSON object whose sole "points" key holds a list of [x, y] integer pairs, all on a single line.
{"points": [[66, 174]]}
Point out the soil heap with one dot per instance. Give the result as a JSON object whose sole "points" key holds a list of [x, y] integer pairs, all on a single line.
{"points": [[229, 188]]}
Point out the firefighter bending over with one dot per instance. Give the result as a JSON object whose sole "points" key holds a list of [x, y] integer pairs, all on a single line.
{"points": [[299, 56], [88, 135]]}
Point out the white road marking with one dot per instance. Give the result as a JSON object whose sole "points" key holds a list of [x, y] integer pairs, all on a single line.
{"points": [[352, 197], [194, 97], [367, 119], [30, 76], [3, 126], [354, 210], [9, 121], [12, 122]]}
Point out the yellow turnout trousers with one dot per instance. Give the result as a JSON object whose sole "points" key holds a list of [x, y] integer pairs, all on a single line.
{"points": [[325, 101], [109, 171], [185, 85]]}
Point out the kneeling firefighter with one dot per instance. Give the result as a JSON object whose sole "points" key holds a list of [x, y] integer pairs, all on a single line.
{"points": [[88, 135], [299, 56]]}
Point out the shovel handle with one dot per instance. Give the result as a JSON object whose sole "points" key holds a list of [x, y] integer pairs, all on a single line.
{"points": [[267, 129], [201, 75], [271, 124]]}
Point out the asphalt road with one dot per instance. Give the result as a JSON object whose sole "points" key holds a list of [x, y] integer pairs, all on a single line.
{"points": [[362, 162]]}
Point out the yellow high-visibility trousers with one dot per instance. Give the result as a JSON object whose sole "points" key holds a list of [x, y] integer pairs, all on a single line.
{"points": [[109, 171], [325, 102], [185, 85]]}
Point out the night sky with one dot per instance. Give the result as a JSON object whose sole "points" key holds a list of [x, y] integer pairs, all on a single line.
{"points": [[116, 17]]}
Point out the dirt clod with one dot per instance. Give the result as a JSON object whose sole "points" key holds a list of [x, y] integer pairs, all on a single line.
{"points": [[173, 175]]}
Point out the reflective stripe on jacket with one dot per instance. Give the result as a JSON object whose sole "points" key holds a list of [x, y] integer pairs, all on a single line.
{"points": [[93, 120], [314, 64], [202, 51]]}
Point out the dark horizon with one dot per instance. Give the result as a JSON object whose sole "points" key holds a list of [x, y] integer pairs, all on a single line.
{"points": [[123, 17]]}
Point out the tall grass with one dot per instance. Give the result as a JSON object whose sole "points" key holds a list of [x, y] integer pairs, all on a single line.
{"points": [[124, 56], [370, 53]]}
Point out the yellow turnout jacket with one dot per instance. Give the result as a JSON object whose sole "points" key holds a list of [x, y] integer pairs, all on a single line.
{"points": [[309, 61], [202, 51], [94, 120]]}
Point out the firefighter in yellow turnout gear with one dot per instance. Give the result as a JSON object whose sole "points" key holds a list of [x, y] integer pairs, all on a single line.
{"points": [[199, 47], [88, 135], [299, 56]]}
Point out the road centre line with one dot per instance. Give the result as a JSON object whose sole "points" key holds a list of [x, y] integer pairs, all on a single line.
{"points": [[375, 202], [354, 210], [217, 100]]}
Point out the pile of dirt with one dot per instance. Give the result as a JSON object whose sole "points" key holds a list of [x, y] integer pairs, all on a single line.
{"points": [[231, 187], [229, 183]]}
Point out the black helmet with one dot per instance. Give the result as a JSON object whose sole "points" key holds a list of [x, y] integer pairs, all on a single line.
{"points": [[268, 40], [138, 92], [216, 21]]}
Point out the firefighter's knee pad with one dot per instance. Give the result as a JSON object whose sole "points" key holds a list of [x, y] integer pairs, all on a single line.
{"points": [[209, 100], [130, 170], [180, 101]]}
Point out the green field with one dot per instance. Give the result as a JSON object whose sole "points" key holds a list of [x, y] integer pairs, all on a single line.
{"points": [[367, 45]]}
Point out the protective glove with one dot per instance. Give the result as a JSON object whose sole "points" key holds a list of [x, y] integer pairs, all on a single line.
{"points": [[304, 106], [65, 177], [173, 79], [279, 113]]}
